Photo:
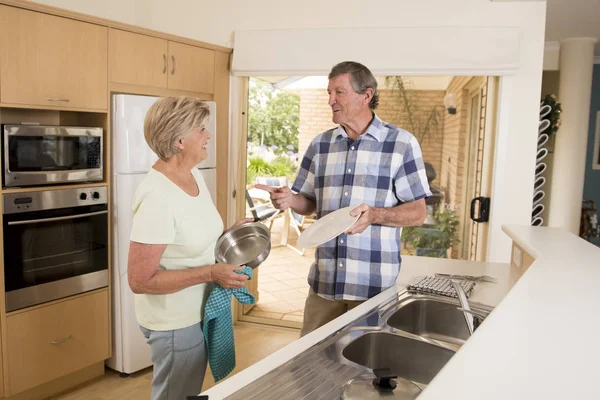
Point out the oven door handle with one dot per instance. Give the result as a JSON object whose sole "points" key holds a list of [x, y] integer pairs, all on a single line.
{"points": [[35, 221]]}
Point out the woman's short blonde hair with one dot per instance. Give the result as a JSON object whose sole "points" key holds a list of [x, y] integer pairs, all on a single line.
{"points": [[170, 119]]}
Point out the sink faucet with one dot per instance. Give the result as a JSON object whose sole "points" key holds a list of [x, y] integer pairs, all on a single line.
{"points": [[472, 318]]}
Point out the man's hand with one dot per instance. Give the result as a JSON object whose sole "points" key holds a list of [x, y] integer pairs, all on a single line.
{"points": [[367, 218], [281, 197]]}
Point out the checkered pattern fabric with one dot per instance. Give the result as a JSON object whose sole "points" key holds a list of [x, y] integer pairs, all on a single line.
{"points": [[383, 168], [218, 326]]}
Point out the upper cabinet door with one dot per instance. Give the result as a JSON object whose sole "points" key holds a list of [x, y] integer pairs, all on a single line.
{"points": [[52, 61], [138, 59], [191, 68]]}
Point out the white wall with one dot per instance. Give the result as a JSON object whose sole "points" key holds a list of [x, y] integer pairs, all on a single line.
{"points": [[216, 21]]}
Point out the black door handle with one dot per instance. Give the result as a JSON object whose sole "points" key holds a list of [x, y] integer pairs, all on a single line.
{"points": [[484, 209]]}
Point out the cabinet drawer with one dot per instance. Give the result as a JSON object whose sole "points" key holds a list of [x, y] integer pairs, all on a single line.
{"points": [[53, 341]]}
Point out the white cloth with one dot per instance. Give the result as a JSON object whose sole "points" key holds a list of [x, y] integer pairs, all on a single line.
{"points": [[190, 226]]}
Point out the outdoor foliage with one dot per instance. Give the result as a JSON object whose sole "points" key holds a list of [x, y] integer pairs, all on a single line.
{"points": [[554, 115], [257, 166], [279, 166], [273, 117], [442, 236], [283, 166]]}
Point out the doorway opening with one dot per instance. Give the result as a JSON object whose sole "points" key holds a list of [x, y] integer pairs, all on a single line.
{"points": [[452, 117]]}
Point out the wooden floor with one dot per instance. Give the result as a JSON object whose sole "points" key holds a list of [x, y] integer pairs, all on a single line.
{"points": [[252, 344]]}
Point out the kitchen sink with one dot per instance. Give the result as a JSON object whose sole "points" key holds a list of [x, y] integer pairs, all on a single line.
{"points": [[411, 335], [433, 318], [405, 357]]}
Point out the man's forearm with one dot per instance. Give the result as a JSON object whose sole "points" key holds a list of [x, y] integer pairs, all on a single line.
{"points": [[303, 205], [408, 214]]}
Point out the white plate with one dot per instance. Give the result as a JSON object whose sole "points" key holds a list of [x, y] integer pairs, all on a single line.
{"points": [[326, 228]]}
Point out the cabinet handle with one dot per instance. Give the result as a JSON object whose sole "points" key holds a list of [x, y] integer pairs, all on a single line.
{"points": [[55, 99], [173, 70], [62, 340], [164, 63]]}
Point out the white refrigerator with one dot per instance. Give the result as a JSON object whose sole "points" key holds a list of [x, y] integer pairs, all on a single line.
{"points": [[132, 159]]}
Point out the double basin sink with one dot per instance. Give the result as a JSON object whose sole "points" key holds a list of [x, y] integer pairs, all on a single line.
{"points": [[416, 337], [411, 336]]}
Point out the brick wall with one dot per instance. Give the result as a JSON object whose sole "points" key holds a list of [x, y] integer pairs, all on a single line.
{"points": [[453, 152], [392, 111], [315, 117]]}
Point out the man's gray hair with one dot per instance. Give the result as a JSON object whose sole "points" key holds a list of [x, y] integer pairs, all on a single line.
{"points": [[361, 79]]}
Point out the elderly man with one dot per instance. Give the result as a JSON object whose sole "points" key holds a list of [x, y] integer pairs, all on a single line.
{"points": [[370, 165]]}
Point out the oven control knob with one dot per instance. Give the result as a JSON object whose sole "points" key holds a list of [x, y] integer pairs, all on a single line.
{"points": [[95, 195], [83, 196]]}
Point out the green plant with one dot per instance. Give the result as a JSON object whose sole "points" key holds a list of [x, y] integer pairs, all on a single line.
{"points": [[441, 236], [280, 166], [420, 121], [257, 166], [554, 116], [283, 166]]}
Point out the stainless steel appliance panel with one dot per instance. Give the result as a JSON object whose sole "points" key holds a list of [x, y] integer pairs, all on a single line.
{"points": [[55, 244], [42, 155]]}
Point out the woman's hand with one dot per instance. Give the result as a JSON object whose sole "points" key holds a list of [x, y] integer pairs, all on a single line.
{"points": [[242, 221], [225, 275]]}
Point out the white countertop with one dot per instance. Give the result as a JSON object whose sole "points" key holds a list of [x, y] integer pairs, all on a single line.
{"points": [[539, 342], [485, 293]]}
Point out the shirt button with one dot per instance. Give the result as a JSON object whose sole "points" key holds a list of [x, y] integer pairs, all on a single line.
{"points": [[341, 265], [352, 148], [349, 170], [341, 240], [346, 194]]}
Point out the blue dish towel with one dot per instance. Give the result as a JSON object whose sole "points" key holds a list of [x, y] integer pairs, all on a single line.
{"points": [[218, 326]]}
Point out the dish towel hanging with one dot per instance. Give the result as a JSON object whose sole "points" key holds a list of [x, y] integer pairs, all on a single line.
{"points": [[218, 326]]}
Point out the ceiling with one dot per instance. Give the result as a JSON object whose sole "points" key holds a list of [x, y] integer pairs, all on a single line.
{"points": [[573, 18]]}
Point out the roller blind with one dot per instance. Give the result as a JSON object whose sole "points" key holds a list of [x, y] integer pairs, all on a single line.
{"points": [[385, 51]]}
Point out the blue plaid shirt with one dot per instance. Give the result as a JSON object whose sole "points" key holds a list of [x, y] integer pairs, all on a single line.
{"points": [[382, 168]]}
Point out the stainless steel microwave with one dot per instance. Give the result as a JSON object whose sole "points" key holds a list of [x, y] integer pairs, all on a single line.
{"points": [[45, 155]]}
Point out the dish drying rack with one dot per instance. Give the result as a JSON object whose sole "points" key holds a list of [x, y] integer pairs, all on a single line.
{"points": [[439, 286]]}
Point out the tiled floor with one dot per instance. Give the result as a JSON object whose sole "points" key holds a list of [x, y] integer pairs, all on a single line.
{"points": [[282, 284]]}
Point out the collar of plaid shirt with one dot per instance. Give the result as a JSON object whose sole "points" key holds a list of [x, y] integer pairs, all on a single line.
{"points": [[374, 130]]}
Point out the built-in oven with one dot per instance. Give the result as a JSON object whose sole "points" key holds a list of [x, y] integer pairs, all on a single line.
{"points": [[55, 244], [43, 155]]}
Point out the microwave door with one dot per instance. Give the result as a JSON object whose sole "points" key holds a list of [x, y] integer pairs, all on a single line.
{"points": [[41, 155]]}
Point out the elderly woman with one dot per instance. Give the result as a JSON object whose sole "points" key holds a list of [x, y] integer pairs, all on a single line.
{"points": [[171, 255]]}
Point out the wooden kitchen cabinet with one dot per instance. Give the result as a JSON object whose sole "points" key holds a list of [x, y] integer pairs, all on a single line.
{"points": [[148, 61], [52, 61], [138, 59], [191, 68], [52, 341]]}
